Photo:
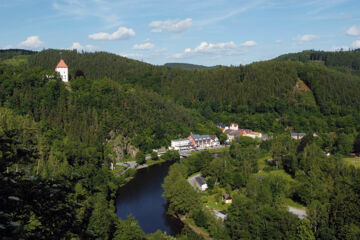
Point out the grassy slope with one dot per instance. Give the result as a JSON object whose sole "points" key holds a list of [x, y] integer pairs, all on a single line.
{"points": [[352, 161]]}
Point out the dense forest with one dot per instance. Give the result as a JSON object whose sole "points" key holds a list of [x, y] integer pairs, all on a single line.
{"points": [[346, 61], [57, 139], [265, 180]]}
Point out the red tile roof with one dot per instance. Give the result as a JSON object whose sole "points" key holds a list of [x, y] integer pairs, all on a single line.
{"points": [[61, 64]]}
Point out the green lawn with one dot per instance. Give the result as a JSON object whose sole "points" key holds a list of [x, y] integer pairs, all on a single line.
{"points": [[152, 162], [352, 161], [211, 202], [281, 173]]}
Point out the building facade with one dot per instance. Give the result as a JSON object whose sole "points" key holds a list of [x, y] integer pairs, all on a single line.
{"points": [[181, 144], [63, 70], [200, 141]]}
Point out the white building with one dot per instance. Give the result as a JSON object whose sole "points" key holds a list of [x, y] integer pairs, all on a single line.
{"points": [[181, 144], [63, 70], [214, 142], [200, 181], [297, 136], [234, 126], [253, 135]]}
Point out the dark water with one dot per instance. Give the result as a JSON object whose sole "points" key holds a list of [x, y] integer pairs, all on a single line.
{"points": [[142, 198]]}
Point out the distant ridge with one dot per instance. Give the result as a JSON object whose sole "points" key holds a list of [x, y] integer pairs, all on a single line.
{"points": [[187, 66], [344, 61], [10, 53]]}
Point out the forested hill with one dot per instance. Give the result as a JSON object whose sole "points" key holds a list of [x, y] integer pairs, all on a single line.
{"points": [[94, 65], [262, 96], [10, 53], [348, 61], [58, 140]]}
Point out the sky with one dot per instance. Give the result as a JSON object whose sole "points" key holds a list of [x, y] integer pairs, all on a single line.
{"points": [[208, 32]]}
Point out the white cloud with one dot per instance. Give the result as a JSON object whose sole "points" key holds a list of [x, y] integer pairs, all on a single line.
{"points": [[121, 33], [339, 48], [306, 38], [218, 49], [171, 25], [353, 31], [79, 47], [279, 41], [205, 47], [249, 44], [32, 42], [144, 46], [356, 44]]}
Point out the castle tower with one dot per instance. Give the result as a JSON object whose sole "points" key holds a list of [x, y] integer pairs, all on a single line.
{"points": [[63, 70]]}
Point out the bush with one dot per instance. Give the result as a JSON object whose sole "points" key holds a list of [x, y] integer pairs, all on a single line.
{"points": [[140, 157], [200, 219], [154, 156]]}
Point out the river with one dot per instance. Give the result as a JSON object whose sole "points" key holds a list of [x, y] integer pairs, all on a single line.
{"points": [[142, 198]]}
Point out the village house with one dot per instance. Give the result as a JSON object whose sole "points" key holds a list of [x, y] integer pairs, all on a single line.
{"points": [[200, 141], [231, 135], [226, 198], [201, 183], [181, 144], [234, 126], [214, 142], [297, 136], [220, 214], [233, 132], [252, 134]]}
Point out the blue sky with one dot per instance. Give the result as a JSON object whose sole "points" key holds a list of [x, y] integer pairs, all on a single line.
{"points": [[210, 32]]}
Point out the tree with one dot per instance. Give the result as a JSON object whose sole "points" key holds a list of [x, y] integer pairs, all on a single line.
{"points": [[344, 144], [222, 138], [154, 156], [140, 157], [303, 230], [182, 198], [200, 218], [128, 229], [357, 144]]}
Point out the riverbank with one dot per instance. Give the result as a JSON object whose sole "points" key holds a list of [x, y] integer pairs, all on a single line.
{"points": [[203, 234], [142, 198]]}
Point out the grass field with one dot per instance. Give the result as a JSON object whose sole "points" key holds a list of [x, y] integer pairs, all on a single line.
{"points": [[352, 161], [211, 202]]}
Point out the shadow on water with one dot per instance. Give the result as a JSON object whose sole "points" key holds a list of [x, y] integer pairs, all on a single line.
{"points": [[142, 198]]}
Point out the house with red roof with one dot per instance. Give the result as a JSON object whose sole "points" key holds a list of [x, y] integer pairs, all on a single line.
{"points": [[63, 70]]}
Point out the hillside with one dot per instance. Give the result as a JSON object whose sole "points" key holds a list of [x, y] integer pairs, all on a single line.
{"points": [[57, 138], [10, 53], [254, 95], [345, 61]]}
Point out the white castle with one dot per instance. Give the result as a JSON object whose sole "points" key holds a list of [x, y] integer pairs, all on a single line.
{"points": [[63, 70]]}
